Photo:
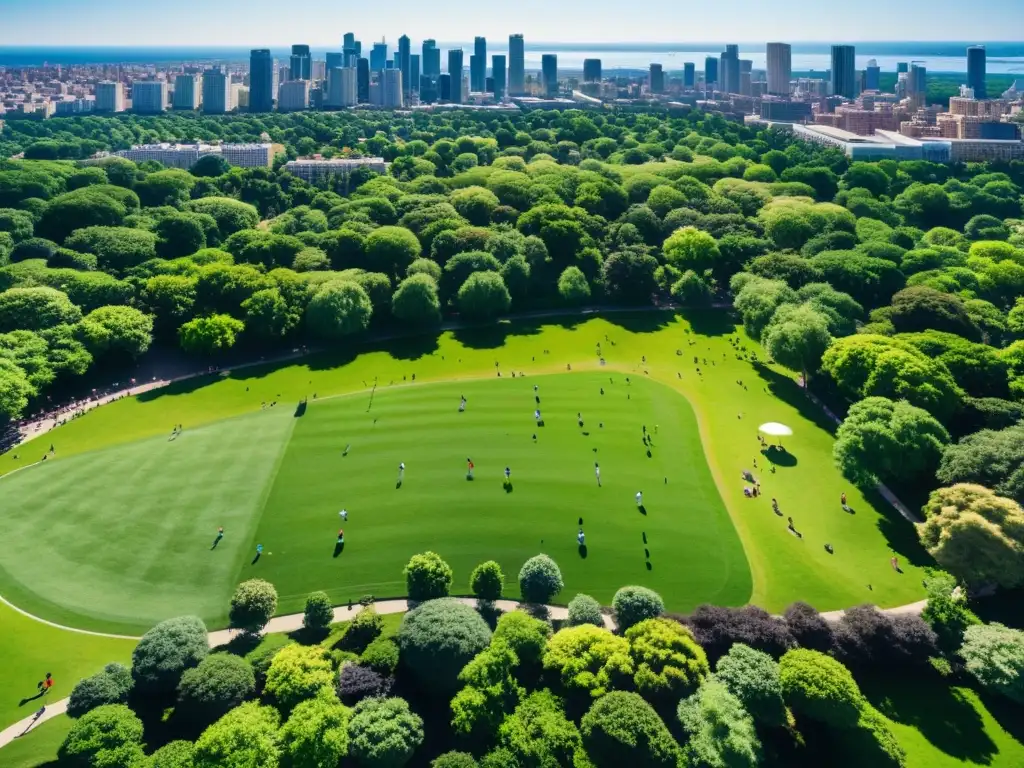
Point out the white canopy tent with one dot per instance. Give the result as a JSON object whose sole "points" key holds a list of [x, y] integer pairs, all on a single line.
{"points": [[776, 430]]}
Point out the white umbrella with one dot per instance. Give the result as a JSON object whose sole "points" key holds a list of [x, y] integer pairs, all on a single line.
{"points": [[774, 429]]}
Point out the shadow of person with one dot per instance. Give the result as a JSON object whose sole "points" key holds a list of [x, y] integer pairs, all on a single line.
{"points": [[508, 488], [26, 700], [398, 485], [256, 559], [583, 551], [339, 548], [216, 541], [642, 509], [644, 534], [649, 566]]}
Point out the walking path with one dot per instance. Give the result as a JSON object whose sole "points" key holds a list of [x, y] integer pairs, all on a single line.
{"points": [[293, 622]]}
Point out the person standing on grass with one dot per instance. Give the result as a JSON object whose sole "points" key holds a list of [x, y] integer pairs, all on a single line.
{"points": [[580, 538], [469, 468], [343, 515], [508, 474], [401, 472], [220, 534], [341, 535], [597, 474], [639, 498], [47, 683]]}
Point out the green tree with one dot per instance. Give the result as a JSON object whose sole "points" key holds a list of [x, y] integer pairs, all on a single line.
{"points": [[583, 609], [753, 678], [946, 611], [116, 248], [206, 335], [427, 576], [416, 302], [721, 732], [994, 654], [174, 754], [315, 734], [166, 651], [525, 635], [89, 207], [15, 389], [589, 660], [252, 605], [110, 735], [483, 296], [487, 580], [690, 248], [117, 330], [35, 308], [179, 234], [220, 683], [573, 286], [268, 316], [623, 729], [170, 187], [384, 733], [298, 672], [490, 693], [758, 300], [668, 661], [540, 579], [391, 250], [538, 733], [820, 688], [991, 458], [231, 215], [246, 737], [319, 612], [438, 638], [797, 337], [635, 604], [170, 299], [110, 686]]}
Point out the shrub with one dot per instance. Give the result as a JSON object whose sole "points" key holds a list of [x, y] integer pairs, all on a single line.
{"points": [[808, 627], [384, 733], [717, 628], [583, 609], [946, 612], [634, 604], [110, 735], [490, 691], [487, 581], [315, 735], [364, 628], [111, 686], [721, 731], [525, 635], [539, 579], [867, 638], [166, 651], [667, 660], [589, 660], [753, 678], [539, 734], [260, 660], [298, 672], [454, 760], [319, 612], [245, 736], [381, 656], [356, 682], [175, 754], [221, 682], [885, 749], [821, 688], [427, 576], [499, 758], [253, 605], [994, 654], [623, 729], [438, 638]]}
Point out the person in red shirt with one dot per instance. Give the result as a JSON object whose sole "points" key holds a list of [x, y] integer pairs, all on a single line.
{"points": [[341, 535]]}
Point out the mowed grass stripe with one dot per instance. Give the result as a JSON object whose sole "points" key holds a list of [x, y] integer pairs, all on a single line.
{"points": [[695, 554], [120, 539]]}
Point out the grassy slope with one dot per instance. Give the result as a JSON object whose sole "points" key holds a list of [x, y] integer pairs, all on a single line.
{"points": [[694, 551], [784, 567], [30, 649], [39, 746]]}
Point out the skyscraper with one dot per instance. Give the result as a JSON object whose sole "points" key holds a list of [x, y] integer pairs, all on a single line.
{"points": [[689, 74], [902, 66], [414, 73], [363, 80], [872, 76], [746, 73], [549, 72], [844, 73], [332, 61], [710, 71], [976, 71], [379, 57], [498, 76], [187, 91], [656, 80], [516, 65], [342, 87], [350, 50], [404, 62], [348, 42], [780, 68], [478, 73], [917, 83], [729, 71], [431, 60], [149, 97], [301, 63], [591, 70], [444, 87], [261, 80], [216, 91], [455, 75]]}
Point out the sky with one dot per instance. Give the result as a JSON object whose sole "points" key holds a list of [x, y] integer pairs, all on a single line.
{"points": [[255, 23]]}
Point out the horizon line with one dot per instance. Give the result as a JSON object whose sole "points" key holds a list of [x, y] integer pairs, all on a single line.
{"points": [[537, 42]]}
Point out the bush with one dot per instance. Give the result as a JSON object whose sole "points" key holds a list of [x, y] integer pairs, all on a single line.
{"points": [[427, 576], [589, 660], [111, 686], [381, 656], [885, 749], [316, 734], [364, 628], [384, 733], [946, 612], [808, 627], [869, 639], [634, 604], [753, 678], [538, 733], [260, 659], [821, 688], [245, 736], [487, 581], [525, 635], [717, 628], [298, 672], [583, 609], [438, 638], [994, 654], [491, 691], [221, 682], [539, 579], [319, 613], [110, 735], [175, 754], [253, 605], [356, 682], [721, 731], [454, 760], [622, 729], [166, 651]]}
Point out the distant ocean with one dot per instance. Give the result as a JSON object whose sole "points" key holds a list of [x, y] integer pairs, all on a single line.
{"points": [[1003, 58]]}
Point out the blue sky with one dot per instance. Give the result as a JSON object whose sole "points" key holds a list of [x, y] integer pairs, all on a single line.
{"points": [[321, 22]]}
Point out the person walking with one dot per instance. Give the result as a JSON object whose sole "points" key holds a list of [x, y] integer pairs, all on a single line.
{"points": [[639, 498]]}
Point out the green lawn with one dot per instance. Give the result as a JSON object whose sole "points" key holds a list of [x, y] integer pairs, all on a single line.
{"points": [[30, 649], [39, 746], [115, 532]]}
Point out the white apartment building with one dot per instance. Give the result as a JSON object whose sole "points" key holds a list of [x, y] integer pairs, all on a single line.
{"points": [[109, 97], [293, 96], [217, 92], [387, 91], [186, 155], [149, 97], [342, 88], [248, 155], [314, 168], [188, 91]]}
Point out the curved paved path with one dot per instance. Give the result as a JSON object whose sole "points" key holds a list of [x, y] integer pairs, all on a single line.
{"points": [[293, 622]]}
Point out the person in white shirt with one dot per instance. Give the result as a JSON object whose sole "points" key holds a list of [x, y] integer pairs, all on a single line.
{"points": [[639, 498]]}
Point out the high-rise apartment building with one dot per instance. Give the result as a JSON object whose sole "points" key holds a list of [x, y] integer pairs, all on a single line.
{"points": [[351, 49], [710, 71], [404, 62], [363, 80], [293, 96], [216, 91], [780, 68], [729, 69], [188, 91], [261, 80], [149, 97], [342, 87], [444, 87], [379, 57], [431, 59], [478, 65], [455, 73], [415, 70], [591, 70], [689, 74], [656, 79], [917, 83], [549, 74], [333, 60], [499, 76], [844, 72], [109, 97], [387, 91], [976, 71], [516, 65], [746, 75], [872, 76], [301, 63]]}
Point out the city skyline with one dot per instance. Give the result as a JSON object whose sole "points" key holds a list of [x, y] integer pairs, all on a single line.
{"points": [[115, 22]]}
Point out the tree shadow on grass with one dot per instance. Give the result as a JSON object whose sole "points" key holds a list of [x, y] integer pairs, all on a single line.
{"points": [[1005, 607], [1009, 715], [494, 335], [185, 387], [638, 321], [943, 715], [900, 534], [309, 635], [410, 347], [790, 393], [709, 322], [240, 644]]}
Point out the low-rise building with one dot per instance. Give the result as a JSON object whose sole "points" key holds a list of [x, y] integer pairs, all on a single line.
{"points": [[186, 155], [316, 168]]}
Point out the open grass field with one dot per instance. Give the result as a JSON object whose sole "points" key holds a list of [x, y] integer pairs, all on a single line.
{"points": [[114, 533]]}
